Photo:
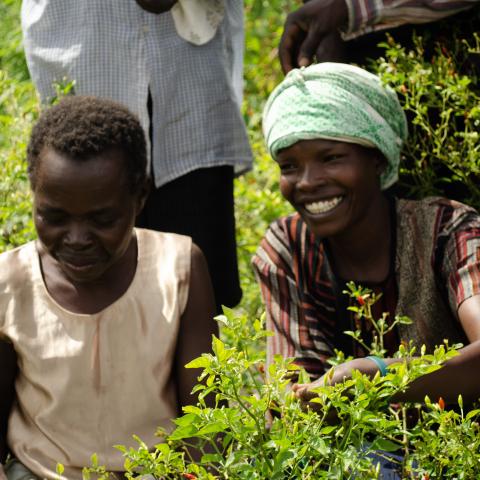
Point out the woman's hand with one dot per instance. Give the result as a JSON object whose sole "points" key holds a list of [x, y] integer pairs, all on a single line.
{"points": [[156, 6], [312, 30], [342, 372]]}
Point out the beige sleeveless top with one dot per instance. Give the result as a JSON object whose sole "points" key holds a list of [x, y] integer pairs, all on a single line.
{"points": [[88, 382]]}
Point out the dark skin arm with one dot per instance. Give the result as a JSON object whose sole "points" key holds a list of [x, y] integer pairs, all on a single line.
{"points": [[156, 6], [313, 30], [196, 327], [8, 373], [456, 377]]}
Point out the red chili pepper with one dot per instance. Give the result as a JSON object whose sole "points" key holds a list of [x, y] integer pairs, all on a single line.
{"points": [[441, 403], [189, 476], [360, 300]]}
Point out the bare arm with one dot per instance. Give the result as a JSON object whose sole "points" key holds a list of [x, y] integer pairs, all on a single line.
{"points": [[8, 372], [196, 326], [313, 29], [457, 376]]}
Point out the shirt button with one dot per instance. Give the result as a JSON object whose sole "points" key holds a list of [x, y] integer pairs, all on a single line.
{"points": [[145, 29]]}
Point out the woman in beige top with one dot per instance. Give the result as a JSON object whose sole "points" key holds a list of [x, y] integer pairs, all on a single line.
{"points": [[97, 318]]}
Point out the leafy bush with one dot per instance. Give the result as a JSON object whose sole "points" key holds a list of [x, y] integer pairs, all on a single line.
{"points": [[442, 154], [18, 109], [258, 430]]}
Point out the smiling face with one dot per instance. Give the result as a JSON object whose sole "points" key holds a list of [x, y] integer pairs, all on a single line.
{"points": [[84, 212], [333, 185]]}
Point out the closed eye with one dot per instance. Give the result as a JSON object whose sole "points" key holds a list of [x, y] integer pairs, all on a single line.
{"points": [[53, 217], [104, 220], [333, 158]]}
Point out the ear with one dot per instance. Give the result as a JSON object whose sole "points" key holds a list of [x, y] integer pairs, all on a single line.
{"points": [[142, 195], [380, 162]]}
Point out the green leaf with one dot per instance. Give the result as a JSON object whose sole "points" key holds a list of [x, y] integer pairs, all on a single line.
{"points": [[192, 409], [211, 458], [328, 430], [385, 445], [183, 432], [200, 362], [472, 414], [218, 348], [187, 419], [214, 427]]}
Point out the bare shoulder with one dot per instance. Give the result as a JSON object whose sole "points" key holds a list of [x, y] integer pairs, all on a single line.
{"points": [[197, 256]]}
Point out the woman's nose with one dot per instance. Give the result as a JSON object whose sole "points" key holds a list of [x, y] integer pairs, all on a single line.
{"points": [[77, 236], [311, 177]]}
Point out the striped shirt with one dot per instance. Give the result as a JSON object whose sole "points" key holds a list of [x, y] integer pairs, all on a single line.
{"points": [[436, 266], [115, 49], [370, 15]]}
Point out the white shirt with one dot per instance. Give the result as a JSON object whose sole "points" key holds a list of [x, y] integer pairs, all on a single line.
{"points": [[115, 49]]}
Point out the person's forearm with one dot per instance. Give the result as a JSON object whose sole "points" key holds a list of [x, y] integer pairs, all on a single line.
{"points": [[458, 376], [365, 15]]}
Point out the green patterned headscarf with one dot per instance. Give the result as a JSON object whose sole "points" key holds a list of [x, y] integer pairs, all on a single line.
{"points": [[340, 102]]}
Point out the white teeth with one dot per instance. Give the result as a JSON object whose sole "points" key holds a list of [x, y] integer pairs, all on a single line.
{"points": [[323, 206]]}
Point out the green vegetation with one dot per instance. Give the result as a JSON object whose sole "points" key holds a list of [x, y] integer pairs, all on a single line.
{"points": [[258, 431], [442, 102], [18, 108]]}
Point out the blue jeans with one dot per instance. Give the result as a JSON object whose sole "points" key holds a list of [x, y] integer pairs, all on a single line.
{"points": [[17, 471]]}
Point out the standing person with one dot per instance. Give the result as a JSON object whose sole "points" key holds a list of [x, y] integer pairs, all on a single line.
{"points": [[178, 67], [101, 316], [344, 30]]}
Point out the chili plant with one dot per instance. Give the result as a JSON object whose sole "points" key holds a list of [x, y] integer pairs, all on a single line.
{"points": [[258, 430], [441, 100]]}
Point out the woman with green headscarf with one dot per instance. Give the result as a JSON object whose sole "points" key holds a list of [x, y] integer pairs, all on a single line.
{"points": [[336, 133]]}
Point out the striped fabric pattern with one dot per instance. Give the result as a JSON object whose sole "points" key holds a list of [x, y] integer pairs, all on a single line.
{"points": [[371, 15], [297, 282], [114, 49]]}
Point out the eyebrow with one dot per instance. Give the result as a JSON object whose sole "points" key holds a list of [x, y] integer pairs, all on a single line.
{"points": [[51, 209], [324, 150]]}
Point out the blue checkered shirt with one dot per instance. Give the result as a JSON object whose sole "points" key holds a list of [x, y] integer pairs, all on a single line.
{"points": [[114, 49]]}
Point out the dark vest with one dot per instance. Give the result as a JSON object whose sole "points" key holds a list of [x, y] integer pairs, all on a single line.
{"points": [[421, 296]]}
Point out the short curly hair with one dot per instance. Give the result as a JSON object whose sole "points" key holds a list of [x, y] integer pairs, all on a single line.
{"points": [[82, 126]]}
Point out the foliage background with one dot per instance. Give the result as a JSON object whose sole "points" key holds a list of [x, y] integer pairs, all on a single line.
{"points": [[257, 198]]}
